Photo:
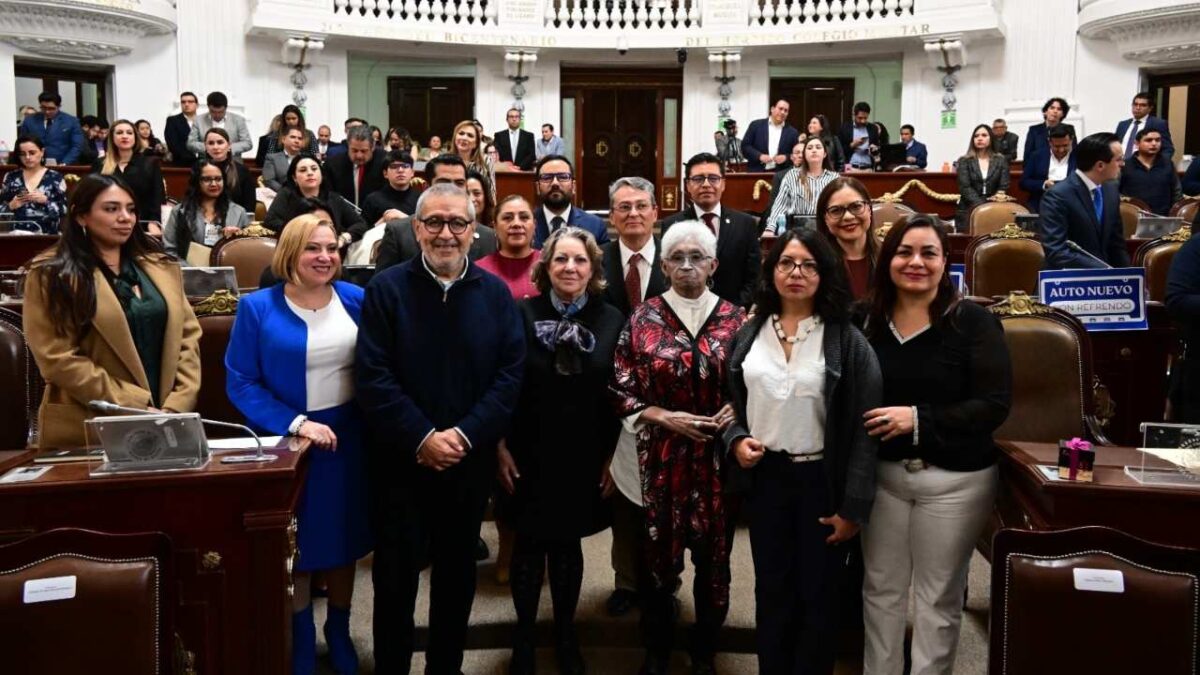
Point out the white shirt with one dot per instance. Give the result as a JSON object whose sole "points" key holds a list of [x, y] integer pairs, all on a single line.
{"points": [[329, 364], [785, 397], [1088, 182], [774, 133], [218, 125], [550, 216], [514, 136], [1058, 168], [1129, 131], [643, 265], [716, 222]]}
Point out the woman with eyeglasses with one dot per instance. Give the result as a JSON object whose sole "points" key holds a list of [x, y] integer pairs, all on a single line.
{"points": [[669, 386], [304, 184], [801, 377], [35, 196], [982, 172], [206, 214], [844, 216], [801, 185], [123, 157], [947, 386], [237, 177]]}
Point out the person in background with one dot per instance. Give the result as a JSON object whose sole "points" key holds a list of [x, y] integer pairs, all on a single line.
{"points": [[206, 215], [324, 134], [915, 153], [274, 170], [1041, 171], [549, 143], [1007, 142], [34, 196], [552, 461], [24, 112], [1191, 179], [177, 129], [290, 366], [947, 386], [89, 153], [103, 293], [376, 135], [291, 118], [480, 197], [982, 173], [358, 172], [767, 141], [143, 175], [1149, 175], [396, 139], [493, 158], [305, 182], [514, 144], [397, 198], [844, 216], [669, 383], [818, 125], [469, 148], [342, 147], [237, 176], [801, 376], [1081, 216], [59, 132], [514, 261], [264, 141], [800, 187], [219, 117], [433, 149], [147, 143], [1054, 112], [1183, 302], [1127, 130], [860, 139], [554, 182]]}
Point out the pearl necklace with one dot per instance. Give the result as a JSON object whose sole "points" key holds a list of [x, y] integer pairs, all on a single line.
{"points": [[802, 331]]}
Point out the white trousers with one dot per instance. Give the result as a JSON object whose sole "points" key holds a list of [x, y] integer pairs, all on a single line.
{"points": [[922, 530]]}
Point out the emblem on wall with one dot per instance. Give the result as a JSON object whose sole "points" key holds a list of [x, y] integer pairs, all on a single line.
{"points": [[601, 148], [635, 149]]}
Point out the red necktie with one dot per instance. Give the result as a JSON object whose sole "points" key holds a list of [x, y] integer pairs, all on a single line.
{"points": [[709, 220], [633, 282], [358, 179]]}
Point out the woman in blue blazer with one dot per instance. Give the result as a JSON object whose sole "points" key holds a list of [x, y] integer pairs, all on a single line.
{"points": [[291, 371]]}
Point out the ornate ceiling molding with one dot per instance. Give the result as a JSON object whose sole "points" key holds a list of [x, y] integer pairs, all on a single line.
{"points": [[89, 29], [1164, 34]]}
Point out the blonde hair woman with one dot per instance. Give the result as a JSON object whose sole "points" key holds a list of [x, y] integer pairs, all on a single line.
{"points": [[123, 157], [467, 145]]}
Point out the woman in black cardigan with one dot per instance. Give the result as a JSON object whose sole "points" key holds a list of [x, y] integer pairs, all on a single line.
{"points": [[140, 172], [801, 376], [562, 436], [304, 183], [238, 182]]}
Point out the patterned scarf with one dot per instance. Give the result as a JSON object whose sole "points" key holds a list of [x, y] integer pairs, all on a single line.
{"points": [[566, 337]]}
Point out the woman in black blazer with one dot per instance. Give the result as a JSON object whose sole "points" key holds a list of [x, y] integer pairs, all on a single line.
{"points": [[305, 183], [141, 173], [238, 182], [982, 172]]}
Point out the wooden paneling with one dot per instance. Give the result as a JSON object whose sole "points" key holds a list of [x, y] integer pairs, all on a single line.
{"points": [[808, 97], [430, 106]]}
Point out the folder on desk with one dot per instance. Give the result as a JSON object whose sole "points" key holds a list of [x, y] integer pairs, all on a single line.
{"points": [[72, 455]]}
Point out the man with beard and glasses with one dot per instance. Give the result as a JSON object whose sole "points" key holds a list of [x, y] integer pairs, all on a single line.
{"points": [[554, 181]]}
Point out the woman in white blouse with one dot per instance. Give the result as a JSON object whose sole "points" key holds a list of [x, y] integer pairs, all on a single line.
{"points": [[291, 371], [801, 377], [801, 185]]}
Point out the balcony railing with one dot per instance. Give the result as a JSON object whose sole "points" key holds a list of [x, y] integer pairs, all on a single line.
{"points": [[810, 12], [460, 12], [623, 14]]}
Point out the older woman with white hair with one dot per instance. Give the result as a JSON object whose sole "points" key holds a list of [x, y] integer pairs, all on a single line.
{"points": [[670, 383]]}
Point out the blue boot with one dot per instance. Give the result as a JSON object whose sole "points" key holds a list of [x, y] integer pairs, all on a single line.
{"points": [[337, 635], [304, 642]]}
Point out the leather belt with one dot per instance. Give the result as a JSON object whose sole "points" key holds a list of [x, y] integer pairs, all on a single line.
{"points": [[914, 465], [800, 459]]}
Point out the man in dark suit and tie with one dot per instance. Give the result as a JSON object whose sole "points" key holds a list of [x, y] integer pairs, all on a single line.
{"points": [[1080, 216], [179, 127], [915, 152], [275, 166], [768, 141], [554, 182], [1047, 167], [1127, 130], [737, 233], [514, 144], [358, 172]]}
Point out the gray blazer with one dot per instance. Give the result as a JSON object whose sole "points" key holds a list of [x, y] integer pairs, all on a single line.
{"points": [[399, 244], [235, 125], [274, 170], [235, 216], [853, 385], [974, 188]]}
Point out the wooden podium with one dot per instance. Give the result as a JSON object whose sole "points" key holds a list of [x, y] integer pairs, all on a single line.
{"points": [[233, 535]]}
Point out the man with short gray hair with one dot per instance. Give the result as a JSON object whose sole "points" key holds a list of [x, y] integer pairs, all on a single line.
{"points": [[358, 172]]}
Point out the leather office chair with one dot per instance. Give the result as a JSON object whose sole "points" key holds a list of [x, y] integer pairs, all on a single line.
{"points": [[987, 217], [119, 619], [1003, 261], [1156, 256], [884, 212], [1132, 209], [1043, 622], [260, 211], [20, 379], [1186, 208], [249, 252], [1054, 393], [216, 314]]}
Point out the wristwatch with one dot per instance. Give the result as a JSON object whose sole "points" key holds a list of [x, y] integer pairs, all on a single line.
{"points": [[294, 427]]}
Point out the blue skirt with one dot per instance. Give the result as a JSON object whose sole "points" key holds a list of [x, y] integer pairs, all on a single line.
{"points": [[332, 515]]}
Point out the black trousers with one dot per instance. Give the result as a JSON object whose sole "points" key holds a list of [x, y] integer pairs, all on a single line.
{"points": [[442, 519], [796, 573]]}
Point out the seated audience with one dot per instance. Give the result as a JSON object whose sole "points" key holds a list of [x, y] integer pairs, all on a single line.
{"points": [[1046, 167], [358, 172], [433, 149], [1127, 130], [549, 144], [237, 177], [106, 292], [376, 135], [947, 385], [291, 371], [982, 173], [178, 128], [514, 261], [206, 215], [305, 183], [559, 497], [341, 147], [915, 153], [34, 196], [554, 182], [1006, 141], [800, 187], [59, 131], [291, 118], [801, 376], [1081, 216], [143, 175], [148, 145], [1053, 112], [219, 117], [845, 217], [89, 153], [276, 164], [397, 198], [1149, 175]]}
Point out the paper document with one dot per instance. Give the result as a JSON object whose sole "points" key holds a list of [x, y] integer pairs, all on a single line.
{"points": [[243, 443]]}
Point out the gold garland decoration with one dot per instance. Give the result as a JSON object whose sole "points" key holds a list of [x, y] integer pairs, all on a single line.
{"points": [[1182, 234], [254, 230], [1011, 231], [758, 187], [1018, 303], [220, 302], [893, 197]]}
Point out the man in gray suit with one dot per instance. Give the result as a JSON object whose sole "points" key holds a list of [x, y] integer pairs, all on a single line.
{"points": [[399, 241], [218, 116], [275, 168]]}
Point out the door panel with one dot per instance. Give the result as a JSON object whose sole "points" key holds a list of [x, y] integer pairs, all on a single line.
{"points": [[832, 98], [620, 139], [430, 107]]}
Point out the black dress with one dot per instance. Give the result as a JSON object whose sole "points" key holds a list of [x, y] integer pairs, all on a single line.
{"points": [[564, 429], [144, 177]]}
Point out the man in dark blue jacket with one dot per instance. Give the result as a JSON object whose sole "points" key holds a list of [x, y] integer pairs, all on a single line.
{"points": [[59, 131], [757, 147], [1048, 166], [1081, 216], [1127, 130], [915, 152], [554, 182], [441, 352]]}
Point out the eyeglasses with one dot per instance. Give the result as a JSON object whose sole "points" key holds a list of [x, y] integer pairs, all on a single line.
{"points": [[808, 268], [212, 180], [434, 225], [855, 208], [548, 178], [699, 179], [626, 207], [399, 166], [692, 260]]}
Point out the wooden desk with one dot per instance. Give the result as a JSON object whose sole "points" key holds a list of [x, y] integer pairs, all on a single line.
{"points": [[1028, 500], [229, 527]]}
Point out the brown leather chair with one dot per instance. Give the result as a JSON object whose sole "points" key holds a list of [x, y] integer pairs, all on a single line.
{"points": [[884, 213], [1054, 393], [1006, 260], [119, 619], [216, 314], [248, 252], [1132, 209], [260, 211], [1156, 256], [1043, 623], [993, 214], [21, 382], [1186, 208]]}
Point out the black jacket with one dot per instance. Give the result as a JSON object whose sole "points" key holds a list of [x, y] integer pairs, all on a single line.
{"points": [[176, 133], [386, 198], [846, 138], [145, 178], [524, 157], [614, 294], [339, 171], [289, 203], [738, 253]]}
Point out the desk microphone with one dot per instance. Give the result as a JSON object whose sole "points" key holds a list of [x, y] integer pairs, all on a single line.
{"points": [[1079, 249], [110, 408]]}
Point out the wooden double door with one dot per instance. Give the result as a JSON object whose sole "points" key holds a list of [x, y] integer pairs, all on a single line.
{"points": [[430, 106], [808, 97]]}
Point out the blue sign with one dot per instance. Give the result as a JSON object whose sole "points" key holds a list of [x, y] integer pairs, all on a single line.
{"points": [[958, 274], [1103, 299]]}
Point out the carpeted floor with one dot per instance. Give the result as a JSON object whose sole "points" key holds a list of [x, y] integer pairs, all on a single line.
{"points": [[611, 645]]}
